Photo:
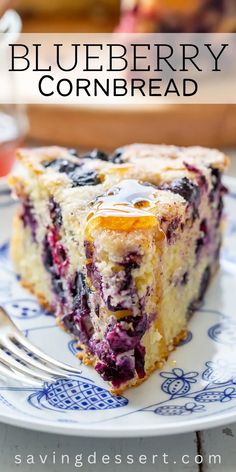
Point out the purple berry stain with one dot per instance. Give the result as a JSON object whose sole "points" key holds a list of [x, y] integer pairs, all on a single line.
{"points": [[28, 217]]}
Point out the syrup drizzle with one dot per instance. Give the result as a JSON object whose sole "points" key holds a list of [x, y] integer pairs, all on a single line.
{"points": [[125, 207]]}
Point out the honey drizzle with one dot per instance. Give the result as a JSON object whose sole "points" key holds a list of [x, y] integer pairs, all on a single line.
{"points": [[128, 206]]}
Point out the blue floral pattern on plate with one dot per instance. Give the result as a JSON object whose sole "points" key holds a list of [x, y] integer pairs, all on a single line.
{"points": [[223, 333], [220, 386], [75, 394]]}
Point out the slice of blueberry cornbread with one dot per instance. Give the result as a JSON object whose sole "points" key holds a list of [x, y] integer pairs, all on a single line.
{"points": [[121, 247]]}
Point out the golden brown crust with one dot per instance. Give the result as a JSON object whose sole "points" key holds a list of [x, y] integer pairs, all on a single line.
{"points": [[40, 297], [85, 357]]}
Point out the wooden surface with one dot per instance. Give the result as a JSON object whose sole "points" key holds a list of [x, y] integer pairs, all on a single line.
{"points": [[220, 441], [107, 128]]}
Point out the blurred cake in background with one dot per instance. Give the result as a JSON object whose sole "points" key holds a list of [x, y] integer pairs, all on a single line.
{"points": [[178, 16], [68, 15], [83, 7]]}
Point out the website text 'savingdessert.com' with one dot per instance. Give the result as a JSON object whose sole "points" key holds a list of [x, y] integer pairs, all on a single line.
{"points": [[82, 460]]}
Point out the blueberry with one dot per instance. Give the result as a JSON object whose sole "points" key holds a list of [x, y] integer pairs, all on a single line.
{"points": [[217, 192], [97, 154], [172, 227], [28, 217], [49, 164], [204, 238], [116, 372], [220, 208], [127, 281], [124, 280], [202, 182], [68, 167], [80, 293], [194, 305], [85, 327], [69, 323], [95, 276], [111, 307], [132, 260], [216, 178], [123, 283], [107, 372], [199, 244], [55, 212], [139, 354], [79, 179], [116, 158], [62, 165], [192, 168], [47, 256], [81, 310], [126, 333], [115, 365], [201, 179], [57, 285], [75, 171], [189, 191], [60, 256], [204, 283], [119, 339], [184, 187], [185, 278], [73, 152], [88, 246]]}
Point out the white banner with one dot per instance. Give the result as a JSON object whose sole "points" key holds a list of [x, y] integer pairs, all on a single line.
{"points": [[108, 69]]}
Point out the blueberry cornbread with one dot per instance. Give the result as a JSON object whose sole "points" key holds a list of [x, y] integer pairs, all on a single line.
{"points": [[120, 247]]}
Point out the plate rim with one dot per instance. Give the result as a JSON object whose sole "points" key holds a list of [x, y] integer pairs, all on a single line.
{"points": [[52, 427]]}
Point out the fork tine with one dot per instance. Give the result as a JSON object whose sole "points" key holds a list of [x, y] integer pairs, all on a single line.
{"points": [[12, 332], [41, 355], [30, 361], [6, 371], [10, 362]]}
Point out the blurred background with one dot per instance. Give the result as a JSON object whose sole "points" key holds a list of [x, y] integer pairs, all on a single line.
{"points": [[88, 127], [69, 15], [128, 15]]}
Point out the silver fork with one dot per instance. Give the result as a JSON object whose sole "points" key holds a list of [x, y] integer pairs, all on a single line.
{"points": [[22, 361]]}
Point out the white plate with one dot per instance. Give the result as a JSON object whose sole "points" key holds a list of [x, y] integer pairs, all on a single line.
{"points": [[195, 390]]}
